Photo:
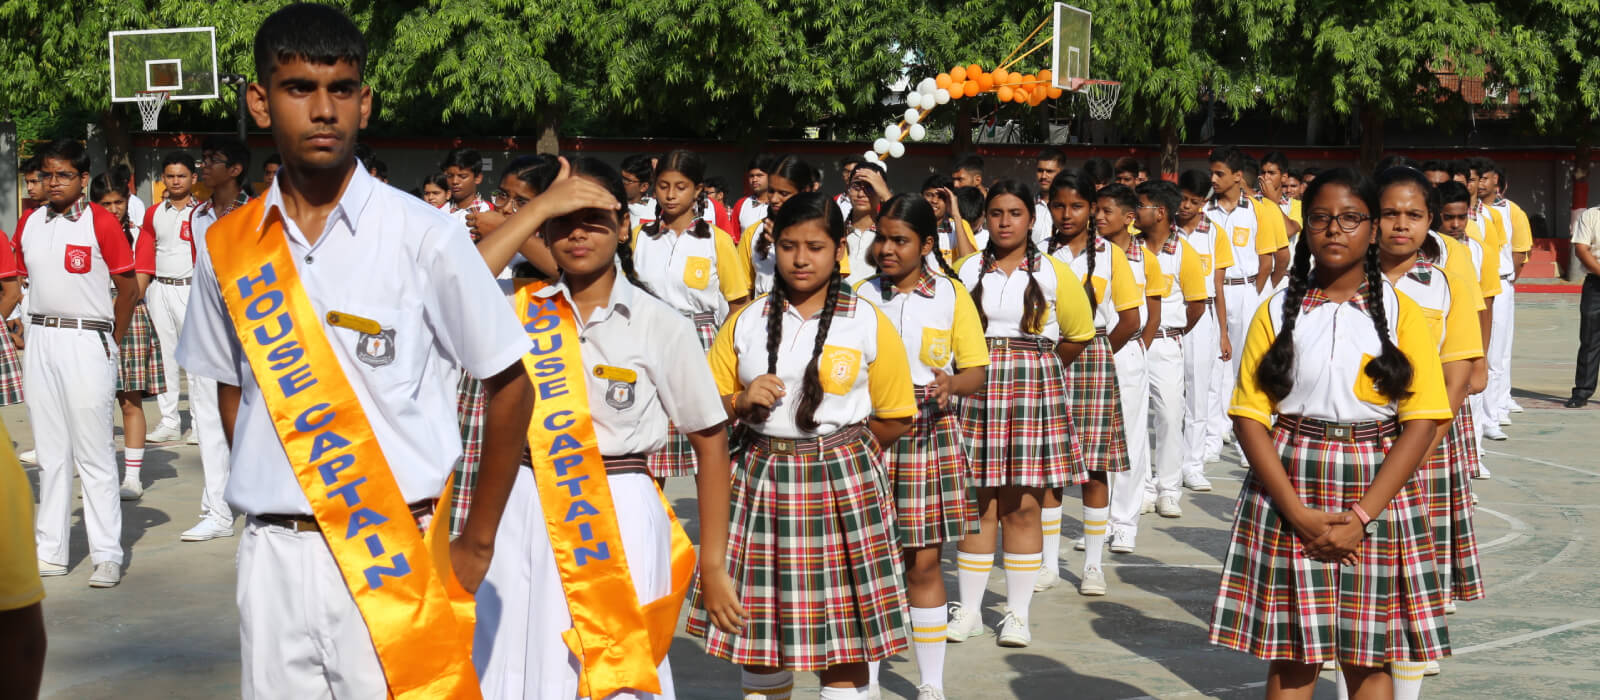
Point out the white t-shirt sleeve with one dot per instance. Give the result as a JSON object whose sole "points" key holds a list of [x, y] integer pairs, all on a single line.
{"points": [[683, 380], [208, 346], [467, 310]]}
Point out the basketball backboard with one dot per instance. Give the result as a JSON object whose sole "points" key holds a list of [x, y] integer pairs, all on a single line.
{"points": [[1069, 60], [180, 61]]}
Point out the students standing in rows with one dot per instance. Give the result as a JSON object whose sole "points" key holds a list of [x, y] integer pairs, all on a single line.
{"points": [[1492, 186], [167, 224], [1233, 219], [788, 177], [463, 173], [1018, 428], [72, 252], [1206, 345], [819, 378], [751, 209]]}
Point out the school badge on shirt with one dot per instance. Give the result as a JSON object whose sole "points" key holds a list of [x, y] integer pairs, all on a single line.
{"points": [[376, 349], [838, 367], [77, 260], [619, 389]]}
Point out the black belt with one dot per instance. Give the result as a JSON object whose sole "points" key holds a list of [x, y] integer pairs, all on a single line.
{"points": [[1031, 342], [1236, 281], [306, 523], [1170, 333], [1369, 431], [71, 323], [635, 463], [808, 446], [175, 281]]}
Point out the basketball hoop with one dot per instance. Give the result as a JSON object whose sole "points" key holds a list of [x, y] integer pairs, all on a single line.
{"points": [[1100, 95], [150, 104]]}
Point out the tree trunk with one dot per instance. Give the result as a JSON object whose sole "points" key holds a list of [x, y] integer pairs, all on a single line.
{"points": [[1314, 118], [549, 132], [1581, 159], [961, 139], [1169, 149], [1371, 137]]}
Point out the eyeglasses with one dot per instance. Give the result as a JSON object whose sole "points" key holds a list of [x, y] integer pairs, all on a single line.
{"points": [[1348, 221], [214, 160], [59, 176], [499, 197], [631, 181]]}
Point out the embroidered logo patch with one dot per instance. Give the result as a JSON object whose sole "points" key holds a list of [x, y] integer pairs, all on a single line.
{"points": [[376, 349], [838, 367], [78, 259]]}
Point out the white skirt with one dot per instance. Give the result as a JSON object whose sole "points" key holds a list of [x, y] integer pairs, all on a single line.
{"points": [[522, 610]]}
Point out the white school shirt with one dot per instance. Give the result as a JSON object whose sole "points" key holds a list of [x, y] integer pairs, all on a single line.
{"points": [[1113, 280], [644, 212], [691, 274], [937, 322], [665, 377], [1067, 310], [1042, 223], [391, 258], [857, 267], [1204, 241], [1182, 280], [69, 259], [175, 253], [204, 215], [1140, 263], [762, 267], [474, 205], [753, 211], [1238, 228], [136, 208]]}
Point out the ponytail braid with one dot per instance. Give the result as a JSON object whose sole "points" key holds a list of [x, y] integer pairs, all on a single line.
{"points": [[777, 301], [1033, 302], [811, 386], [625, 261], [653, 228], [977, 289], [700, 229], [1390, 371], [938, 256], [1088, 280], [763, 242], [1275, 374]]}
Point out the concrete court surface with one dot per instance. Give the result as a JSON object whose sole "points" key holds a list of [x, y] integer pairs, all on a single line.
{"points": [[170, 630]]}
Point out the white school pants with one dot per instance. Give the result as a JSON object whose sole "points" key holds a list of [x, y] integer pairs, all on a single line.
{"points": [[522, 609], [168, 303], [1127, 488], [1241, 300], [207, 418], [1200, 360], [1164, 365], [1497, 393], [70, 378]]}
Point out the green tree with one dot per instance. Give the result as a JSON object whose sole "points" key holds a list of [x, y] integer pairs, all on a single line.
{"points": [[1563, 100]]}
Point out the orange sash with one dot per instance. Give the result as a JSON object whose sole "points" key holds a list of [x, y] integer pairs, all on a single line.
{"points": [[419, 617], [617, 641]]}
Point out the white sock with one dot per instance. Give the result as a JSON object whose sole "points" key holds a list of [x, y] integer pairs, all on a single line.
{"points": [[831, 693], [927, 636], [1050, 522], [133, 460], [1022, 570], [972, 577], [1407, 677], [873, 667], [1094, 534], [1340, 686], [767, 686]]}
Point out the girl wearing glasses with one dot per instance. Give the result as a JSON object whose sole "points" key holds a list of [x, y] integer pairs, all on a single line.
{"points": [[1329, 558]]}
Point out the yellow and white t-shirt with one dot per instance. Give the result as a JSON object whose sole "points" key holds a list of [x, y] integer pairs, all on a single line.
{"points": [[1115, 287], [862, 365], [1272, 225], [1293, 209], [693, 275], [1446, 302], [761, 267], [20, 586], [1145, 267], [937, 322], [1067, 313], [1212, 257], [1179, 282], [1462, 261], [946, 241], [1495, 241], [1240, 229]]}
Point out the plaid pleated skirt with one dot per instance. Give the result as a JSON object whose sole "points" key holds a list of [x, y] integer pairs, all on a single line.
{"points": [[1455, 542], [928, 470], [813, 557], [1096, 405], [471, 408], [677, 458], [141, 364], [1276, 603], [1018, 429], [10, 371]]}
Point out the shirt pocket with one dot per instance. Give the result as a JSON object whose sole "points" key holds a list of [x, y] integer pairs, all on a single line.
{"points": [[838, 367], [935, 351], [1241, 236], [79, 259], [696, 272], [1435, 322], [383, 343], [1365, 389]]}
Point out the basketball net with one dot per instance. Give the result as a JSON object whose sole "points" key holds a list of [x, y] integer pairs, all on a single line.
{"points": [[150, 104], [1101, 96]]}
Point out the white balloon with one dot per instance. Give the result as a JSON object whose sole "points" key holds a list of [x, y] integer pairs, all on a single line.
{"points": [[897, 149], [927, 86], [880, 146], [913, 116], [917, 132], [871, 156], [914, 100], [942, 96], [892, 132]]}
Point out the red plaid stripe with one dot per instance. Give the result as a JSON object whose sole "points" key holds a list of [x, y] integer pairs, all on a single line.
{"points": [[677, 458], [1275, 603], [928, 469], [471, 405], [1095, 403], [814, 560], [1455, 540], [10, 371], [140, 359], [1017, 429]]}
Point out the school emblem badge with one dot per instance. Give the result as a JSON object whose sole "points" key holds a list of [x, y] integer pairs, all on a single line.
{"points": [[185, 232], [838, 367], [77, 259], [619, 394], [376, 349]]}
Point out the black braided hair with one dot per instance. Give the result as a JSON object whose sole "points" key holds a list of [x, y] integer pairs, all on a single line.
{"points": [[701, 228], [811, 386], [917, 214], [1275, 374], [1034, 304], [1083, 185], [692, 167], [1390, 371], [801, 208], [777, 301], [603, 174], [802, 176]]}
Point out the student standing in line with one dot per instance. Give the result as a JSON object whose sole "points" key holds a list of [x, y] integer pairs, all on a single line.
{"points": [[788, 177], [167, 224], [751, 209], [463, 173], [1207, 343]]}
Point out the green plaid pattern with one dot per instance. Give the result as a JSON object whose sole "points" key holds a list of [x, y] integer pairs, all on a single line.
{"points": [[1455, 541], [140, 367], [1096, 406], [10, 371], [677, 458], [814, 561], [1277, 604], [1018, 430], [471, 405], [928, 469]]}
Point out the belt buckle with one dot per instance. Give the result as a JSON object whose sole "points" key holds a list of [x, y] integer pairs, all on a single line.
{"points": [[782, 446], [52, 322], [1338, 431]]}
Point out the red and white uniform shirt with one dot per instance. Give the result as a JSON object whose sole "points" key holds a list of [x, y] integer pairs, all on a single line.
{"points": [[69, 258], [168, 227]]}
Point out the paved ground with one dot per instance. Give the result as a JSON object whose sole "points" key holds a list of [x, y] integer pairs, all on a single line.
{"points": [[170, 630]]}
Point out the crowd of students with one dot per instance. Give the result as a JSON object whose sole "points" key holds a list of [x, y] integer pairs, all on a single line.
{"points": [[853, 381]]}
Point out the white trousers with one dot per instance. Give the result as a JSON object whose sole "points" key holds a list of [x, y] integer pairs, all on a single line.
{"points": [[207, 419], [300, 633], [1201, 355], [1164, 364], [70, 379], [1241, 300], [1127, 488], [522, 609], [1497, 392], [168, 304]]}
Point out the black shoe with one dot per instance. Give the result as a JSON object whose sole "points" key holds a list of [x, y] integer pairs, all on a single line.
{"points": [[1576, 402]]}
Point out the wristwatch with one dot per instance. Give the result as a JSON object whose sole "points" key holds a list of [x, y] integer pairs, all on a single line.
{"points": [[1368, 523]]}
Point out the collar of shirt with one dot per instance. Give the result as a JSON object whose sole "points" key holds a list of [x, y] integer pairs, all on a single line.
{"points": [[357, 192], [845, 306], [471, 205], [1244, 201], [73, 213], [1499, 201], [620, 302], [1421, 270], [1036, 264], [187, 203], [206, 206], [1315, 297], [1168, 248], [1283, 199], [925, 288]]}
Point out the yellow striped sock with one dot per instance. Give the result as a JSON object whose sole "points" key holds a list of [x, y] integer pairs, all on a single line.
{"points": [[975, 563], [1094, 527], [1051, 527], [1407, 670], [928, 635], [1023, 562]]}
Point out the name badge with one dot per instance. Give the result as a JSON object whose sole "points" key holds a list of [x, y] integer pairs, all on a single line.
{"points": [[616, 374], [353, 322]]}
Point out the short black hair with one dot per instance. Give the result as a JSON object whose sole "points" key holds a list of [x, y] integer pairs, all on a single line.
{"points": [[1251, 170], [1429, 166], [273, 159], [1127, 165], [1053, 155], [1099, 171], [638, 165], [1230, 156], [970, 163], [1309, 171], [969, 201], [937, 181], [231, 149], [122, 173], [762, 161], [379, 168], [1395, 160], [537, 171], [464, 158], [1276, 158], [1122, 194], [716, 182], [852, 160], [31, 165], [1194, 181], [1451, 192], [437, 180], [183, 158], [73, 152], [308, 32], [1162, 194]]}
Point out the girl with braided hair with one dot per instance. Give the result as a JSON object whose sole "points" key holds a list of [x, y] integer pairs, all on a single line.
{"points": [[938, 324], [819, 379], [692, 265], [1019, 431], [141, 362], [787, 177], [1329, 558], [1093, 396]]}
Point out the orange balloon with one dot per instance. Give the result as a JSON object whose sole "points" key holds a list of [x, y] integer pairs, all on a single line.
{"points": [[943, 81], [1004, 93], [958, 74], [986, 81], [1031, 79], [1000, 76], [972, 88], [1013, 79], [1018, 96], [1055, 93], [958, 90], [974, 70], [1037, 99], [1046, 75]]}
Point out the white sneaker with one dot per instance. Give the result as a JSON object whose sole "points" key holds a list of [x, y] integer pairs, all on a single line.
{"points": [[964, 624], [1514, 407], [1167, 507], [1094, 582], [131, 489], [1196, 481], [1493, 432], [106, 575], [48, 569], [1079, 545], [1228, 438], [1213, 457], [1149, 505], [1121, 542], [928, 692], [207, 529], [1431, 669], [1449, 607], [1483, 472], [1048, 578], [190, 439], [1330, 665], [163, 433], [28, 457], [874, 692], [1014, 631], [1505, 420]]}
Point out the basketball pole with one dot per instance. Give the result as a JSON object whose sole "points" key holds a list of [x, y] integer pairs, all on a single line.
{"points": [[239, 82]]}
